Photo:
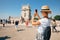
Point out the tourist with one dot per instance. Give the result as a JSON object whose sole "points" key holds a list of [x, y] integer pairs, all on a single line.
{"points": [[16, 24], [54, 25], [27, 23], [44, 30], [13, 21], [3, 22]]}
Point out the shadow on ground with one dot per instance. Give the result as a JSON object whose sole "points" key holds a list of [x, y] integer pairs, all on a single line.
{"points": [[57, 31], [4, 38], [21, 30]]}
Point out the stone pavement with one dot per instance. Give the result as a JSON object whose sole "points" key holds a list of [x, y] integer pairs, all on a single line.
{"points": [[24, 33]]}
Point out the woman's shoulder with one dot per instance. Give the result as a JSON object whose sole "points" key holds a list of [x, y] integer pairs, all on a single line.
{"points": [[44, 19]]}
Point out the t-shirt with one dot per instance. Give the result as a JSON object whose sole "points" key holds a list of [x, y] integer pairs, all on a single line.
{"points": [[45, 22], [16, 23], [53, 23]]}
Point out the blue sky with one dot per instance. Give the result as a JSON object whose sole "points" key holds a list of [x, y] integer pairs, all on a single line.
{"points": [[13, 7]]}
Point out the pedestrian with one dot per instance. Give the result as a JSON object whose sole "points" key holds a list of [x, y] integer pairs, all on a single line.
{"points": [[13, 21], [54, 25], [3, 22], [16, 24], [27, 23], [44, 30]]}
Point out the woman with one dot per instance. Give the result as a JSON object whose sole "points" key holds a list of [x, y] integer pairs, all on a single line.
{"points": [[44, 30]]}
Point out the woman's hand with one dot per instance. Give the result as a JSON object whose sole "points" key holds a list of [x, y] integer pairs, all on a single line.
{"points": [[35, 23]]}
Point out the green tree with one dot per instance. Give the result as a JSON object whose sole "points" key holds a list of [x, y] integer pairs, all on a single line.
{"points": [[57, 17]]}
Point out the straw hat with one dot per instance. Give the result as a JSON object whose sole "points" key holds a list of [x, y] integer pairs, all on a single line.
{"points": [[45, 9]]}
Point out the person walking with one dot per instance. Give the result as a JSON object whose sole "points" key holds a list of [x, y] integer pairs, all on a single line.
{"points": [[3, 22], [44, 30], [27, 23], [16, 24], [54, 25]]}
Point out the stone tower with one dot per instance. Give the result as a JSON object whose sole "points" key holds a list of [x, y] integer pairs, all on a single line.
{"points": [[26, 12]]}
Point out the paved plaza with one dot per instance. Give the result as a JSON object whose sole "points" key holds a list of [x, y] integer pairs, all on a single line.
{"points": [[24, 33]]}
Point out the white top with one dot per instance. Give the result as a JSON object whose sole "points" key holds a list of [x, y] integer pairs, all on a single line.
{"points": [[45, 22]]}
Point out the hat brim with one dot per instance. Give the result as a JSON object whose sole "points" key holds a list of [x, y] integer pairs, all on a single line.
{"points": [[46, 11]]}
